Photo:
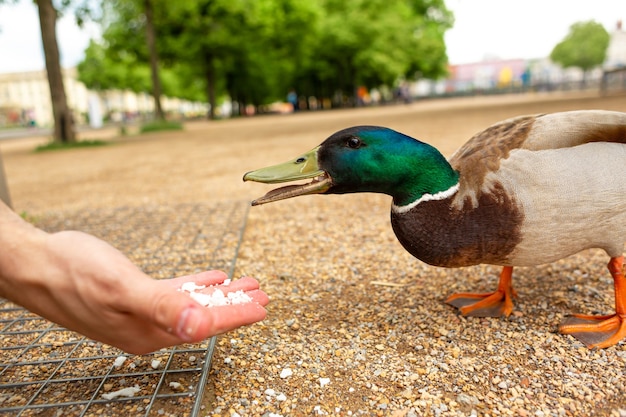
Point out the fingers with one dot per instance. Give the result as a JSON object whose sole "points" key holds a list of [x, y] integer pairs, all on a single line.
{"points": [[259, 297], [176, 318], [243, 284], [203, 278], [179, 314], [213, 280], [230, 317], [195, 324]]}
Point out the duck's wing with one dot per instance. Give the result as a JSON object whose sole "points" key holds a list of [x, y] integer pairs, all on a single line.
{"points": [[540, 131], [568, 129], [484, 152]]}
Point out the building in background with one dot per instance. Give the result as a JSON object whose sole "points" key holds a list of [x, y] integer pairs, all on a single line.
{"points": [[616, 52], [494, 75], [614, 77], [25, 101]]}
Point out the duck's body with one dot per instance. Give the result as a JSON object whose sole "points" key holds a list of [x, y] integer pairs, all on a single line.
{"points": [[525, 191], [531, 190]]}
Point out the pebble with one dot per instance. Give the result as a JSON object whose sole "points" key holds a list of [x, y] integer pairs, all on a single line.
{"points": [[123, 392], [119, 361]]}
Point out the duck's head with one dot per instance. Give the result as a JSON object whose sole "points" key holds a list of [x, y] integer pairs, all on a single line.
{"points": [[362, 159]]}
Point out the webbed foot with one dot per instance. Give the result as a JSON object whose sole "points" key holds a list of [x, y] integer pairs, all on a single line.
{"points": [[602, 331], [595, 331], [495, 304]]}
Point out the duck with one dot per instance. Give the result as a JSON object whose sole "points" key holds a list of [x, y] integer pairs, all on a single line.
{"points": [[525, 191]]}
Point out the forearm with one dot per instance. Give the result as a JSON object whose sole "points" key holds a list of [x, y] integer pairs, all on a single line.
{"points": [[21, 250]]}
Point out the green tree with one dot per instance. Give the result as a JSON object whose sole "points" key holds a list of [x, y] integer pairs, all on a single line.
{"points": [[148, 10], [205, 36], [584, 47], [247, 49], [255, 51], [431, 19], [280, 41], [376, 42], [131, 23], [102, 69]]}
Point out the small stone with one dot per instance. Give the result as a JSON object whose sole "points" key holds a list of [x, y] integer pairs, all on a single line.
{"points": [[119, 361], [468, 400], [177, 386]]}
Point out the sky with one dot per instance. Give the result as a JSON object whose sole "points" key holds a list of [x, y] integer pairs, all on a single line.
{"points": [[505, 29]]}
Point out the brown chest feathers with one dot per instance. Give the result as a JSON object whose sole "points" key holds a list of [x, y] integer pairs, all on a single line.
{"points": [[440, 235]]}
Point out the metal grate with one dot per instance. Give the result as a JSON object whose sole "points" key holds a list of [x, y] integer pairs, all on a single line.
{"points": [[46, 370]]}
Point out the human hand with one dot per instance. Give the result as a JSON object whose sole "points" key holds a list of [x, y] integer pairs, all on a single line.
{"points": [[86, 285]]}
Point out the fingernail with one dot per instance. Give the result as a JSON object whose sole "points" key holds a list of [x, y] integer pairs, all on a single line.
{"points": [[188, 323]]}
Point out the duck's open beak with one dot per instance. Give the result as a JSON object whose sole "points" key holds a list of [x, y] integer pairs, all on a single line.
{"points": [[303, 167]]}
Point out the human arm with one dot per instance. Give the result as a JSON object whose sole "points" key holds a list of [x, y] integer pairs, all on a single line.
{"points": [[86, 285]]}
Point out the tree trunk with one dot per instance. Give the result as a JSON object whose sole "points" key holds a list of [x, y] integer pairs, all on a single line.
{"points": [[154, 61], [63, 119], [210, 85], [4, 188]]}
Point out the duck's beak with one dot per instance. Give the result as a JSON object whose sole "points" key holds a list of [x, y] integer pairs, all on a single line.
{"points": [[302, 167]]}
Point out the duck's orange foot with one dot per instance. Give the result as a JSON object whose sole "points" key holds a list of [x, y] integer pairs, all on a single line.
{"points": [[496, 304], [595, 331], [602, 331]]}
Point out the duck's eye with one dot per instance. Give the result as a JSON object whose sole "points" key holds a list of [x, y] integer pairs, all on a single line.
{"points": [[354, 142]]}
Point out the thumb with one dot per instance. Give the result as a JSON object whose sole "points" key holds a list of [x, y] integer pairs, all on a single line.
{"points": [[179, 315]]}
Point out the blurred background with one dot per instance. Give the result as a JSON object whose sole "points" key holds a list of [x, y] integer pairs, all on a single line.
{"points": [[70, 64]]}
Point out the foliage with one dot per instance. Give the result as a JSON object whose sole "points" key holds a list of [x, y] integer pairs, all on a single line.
{"points": [[158, 126], [56, 146], [375, 43], [103, 69], [255, 51], [584, 46]]}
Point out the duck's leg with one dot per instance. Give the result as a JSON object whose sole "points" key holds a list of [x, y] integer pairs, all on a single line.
{"points": [[602, 331], [493, 304]]}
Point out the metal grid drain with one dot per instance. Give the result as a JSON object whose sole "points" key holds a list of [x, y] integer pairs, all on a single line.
{"points": [[46, 370]]}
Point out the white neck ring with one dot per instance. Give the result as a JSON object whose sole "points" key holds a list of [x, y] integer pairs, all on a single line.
{"points": [[441, 195]]}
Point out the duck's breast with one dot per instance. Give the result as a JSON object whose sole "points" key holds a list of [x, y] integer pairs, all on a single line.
{"points": [[440, 233]]}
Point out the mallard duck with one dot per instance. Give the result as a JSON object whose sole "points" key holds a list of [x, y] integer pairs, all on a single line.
{"points": [[526, 191]]}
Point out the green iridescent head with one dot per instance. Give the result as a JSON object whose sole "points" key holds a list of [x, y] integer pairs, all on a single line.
{"points": [[363, 159]]}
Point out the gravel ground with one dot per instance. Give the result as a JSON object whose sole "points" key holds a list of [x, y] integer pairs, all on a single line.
{"points": [[356, 326]]}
